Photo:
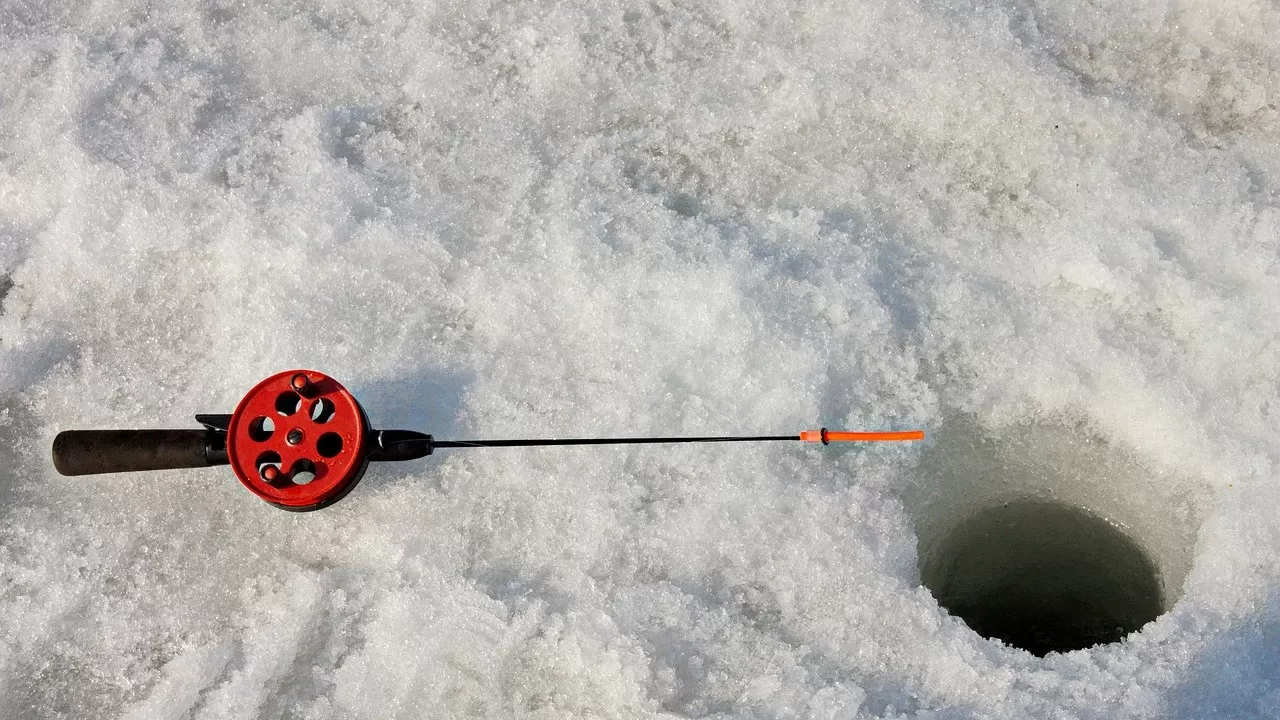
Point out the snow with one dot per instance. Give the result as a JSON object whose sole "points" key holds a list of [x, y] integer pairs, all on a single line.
{"points": [[1048, 232]]}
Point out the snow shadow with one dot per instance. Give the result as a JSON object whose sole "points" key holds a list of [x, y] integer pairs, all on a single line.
{"points": [[18, 452], [1238, 676], [427, 402]]}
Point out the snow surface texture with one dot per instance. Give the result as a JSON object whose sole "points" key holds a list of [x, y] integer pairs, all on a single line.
{"points": [[1028, 218]]}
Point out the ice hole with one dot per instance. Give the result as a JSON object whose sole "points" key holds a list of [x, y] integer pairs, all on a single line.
{"points": [[1049, 537], [1044, 576]]}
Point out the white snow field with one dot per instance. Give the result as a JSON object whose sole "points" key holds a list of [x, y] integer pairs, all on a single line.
{"points": [[1045, 231]]}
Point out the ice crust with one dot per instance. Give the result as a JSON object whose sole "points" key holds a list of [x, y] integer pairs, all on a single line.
{"points": [[497, 219]]}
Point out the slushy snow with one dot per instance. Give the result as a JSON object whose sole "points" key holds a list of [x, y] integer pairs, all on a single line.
{"points": [[511, 219]]}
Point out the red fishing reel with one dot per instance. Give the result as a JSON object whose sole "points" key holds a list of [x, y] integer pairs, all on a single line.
{"points": [[297, 440]]}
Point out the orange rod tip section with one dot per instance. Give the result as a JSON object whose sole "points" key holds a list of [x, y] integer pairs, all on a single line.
{"points": [[898, 435], [826, 436]]}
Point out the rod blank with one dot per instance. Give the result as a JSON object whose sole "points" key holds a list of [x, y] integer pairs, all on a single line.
{"points": [[823, 436]]}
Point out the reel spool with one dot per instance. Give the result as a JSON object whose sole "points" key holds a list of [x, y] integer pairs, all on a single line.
{"points": [[297, 440]]}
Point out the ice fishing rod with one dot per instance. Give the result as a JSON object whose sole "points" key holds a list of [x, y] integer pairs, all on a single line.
{"points": [[301, 441]]}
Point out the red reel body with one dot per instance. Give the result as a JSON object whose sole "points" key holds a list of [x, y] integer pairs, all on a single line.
{"points": [[297, 440]]}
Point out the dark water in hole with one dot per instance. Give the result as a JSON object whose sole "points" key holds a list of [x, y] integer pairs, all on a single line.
{"points": [[1044, 577]]}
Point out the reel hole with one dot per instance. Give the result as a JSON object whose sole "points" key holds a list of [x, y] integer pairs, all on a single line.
{"points": [[261, 428], [329, 444], [302, 472], [288, 403], [322, 410], [268, 464]]}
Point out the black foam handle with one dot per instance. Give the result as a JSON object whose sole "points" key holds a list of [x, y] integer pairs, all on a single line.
{"points": [[88, 452]]}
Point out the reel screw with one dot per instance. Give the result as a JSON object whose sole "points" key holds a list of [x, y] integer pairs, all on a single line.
{"points": [[294, 437]]}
